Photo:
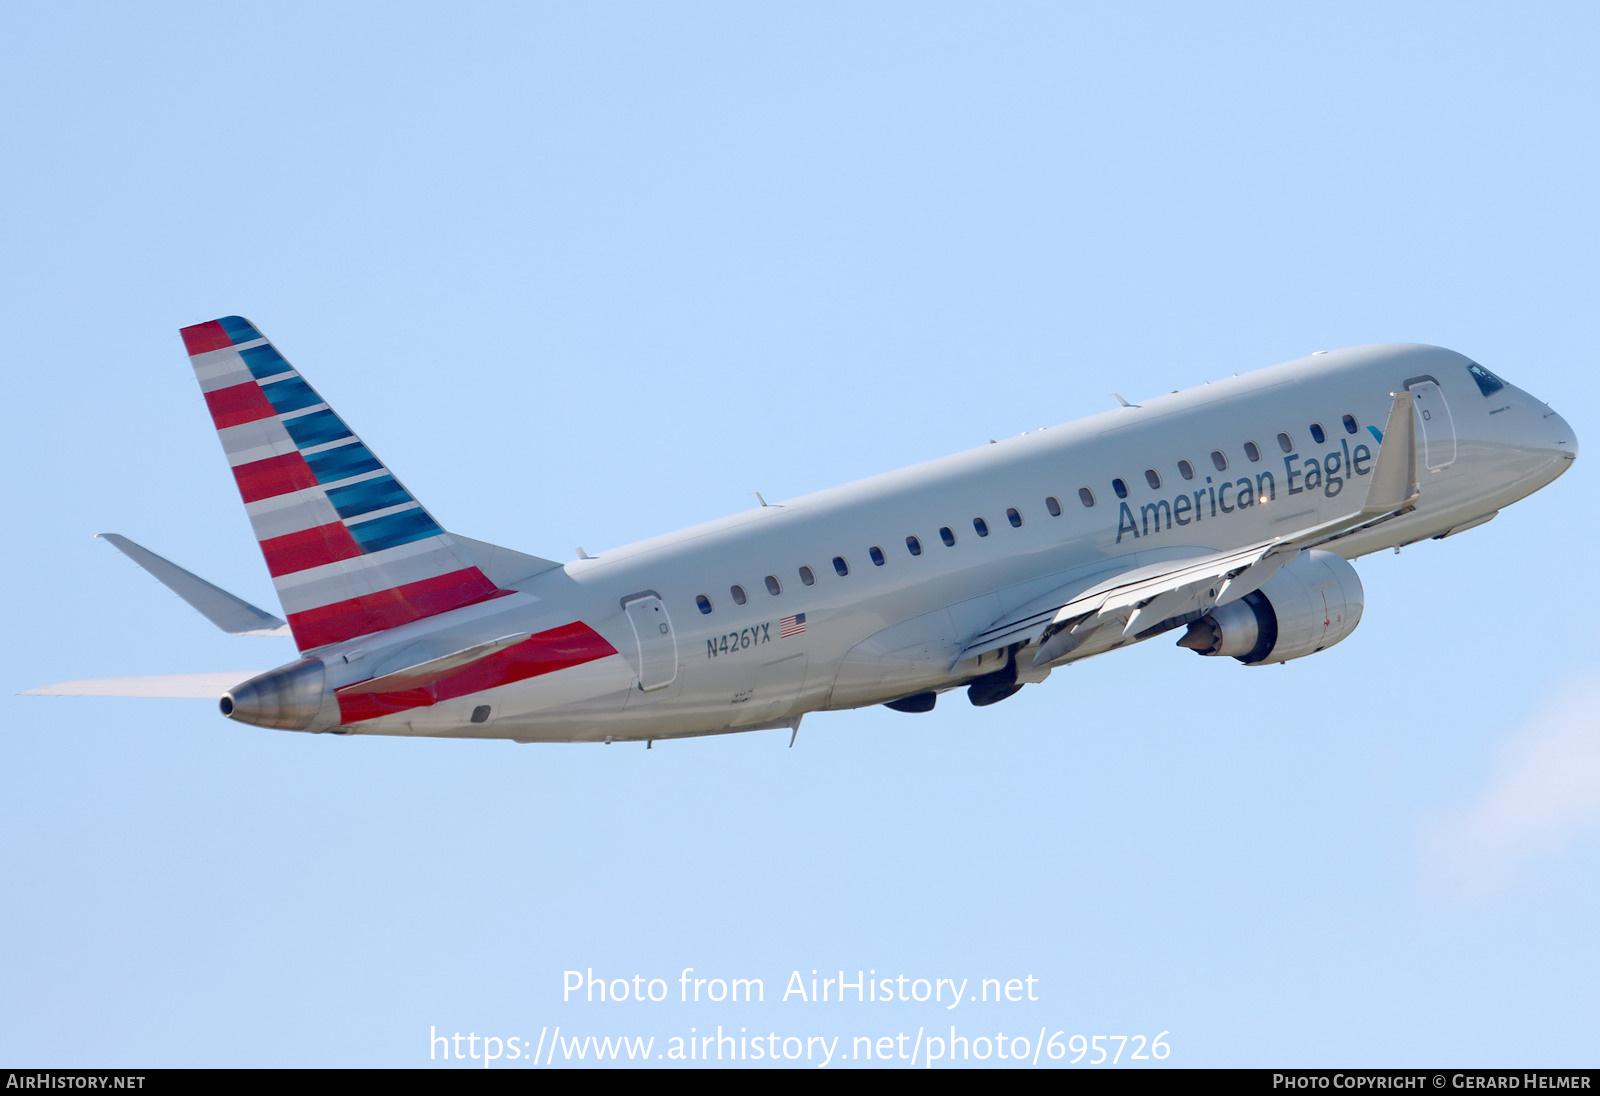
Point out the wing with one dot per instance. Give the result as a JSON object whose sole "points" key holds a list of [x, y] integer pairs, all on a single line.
{"points": [[1146, 600]]}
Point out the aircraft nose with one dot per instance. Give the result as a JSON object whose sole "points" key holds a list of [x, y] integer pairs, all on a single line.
{"points": [[1561, 435]]}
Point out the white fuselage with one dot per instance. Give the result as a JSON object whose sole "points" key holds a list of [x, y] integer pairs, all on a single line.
{"points": [[887, 630]]}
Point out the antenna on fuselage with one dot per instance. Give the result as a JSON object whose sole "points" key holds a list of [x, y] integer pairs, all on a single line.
{"points": [[1122, 401]]}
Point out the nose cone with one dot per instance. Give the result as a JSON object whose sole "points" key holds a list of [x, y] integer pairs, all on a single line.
{"points": [[1550, 442], [1561, 434]]}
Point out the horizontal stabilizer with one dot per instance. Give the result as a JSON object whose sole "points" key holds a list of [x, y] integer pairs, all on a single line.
{"points": [[233, 615], [173, 686]]}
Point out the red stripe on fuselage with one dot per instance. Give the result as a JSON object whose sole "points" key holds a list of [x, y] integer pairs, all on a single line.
{"points": [[309, 548], [559, 648], [262, 479], [204, 337], [386, 609], [239, 404]]}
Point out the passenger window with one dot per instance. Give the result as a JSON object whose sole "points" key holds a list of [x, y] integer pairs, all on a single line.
{"points": [[807, 577], [1053, 506], [1219, 461], [980, 526], [773, 586], [947, 536], [1120, 488], [914, 546], [1317, 434], [1152, 479], [1488, 383], [738, 594], [1252, 451], [1014, 517], [1086, 496], [1185, 469], [841, 566], [1349, 424], [877, 555], [704, 602], [1285, 442]]}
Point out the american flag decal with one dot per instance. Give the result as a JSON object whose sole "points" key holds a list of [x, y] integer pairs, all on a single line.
{"points": [[791, 626]]}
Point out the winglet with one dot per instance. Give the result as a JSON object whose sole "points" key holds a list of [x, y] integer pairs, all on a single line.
{"points": [[1394, 476], [233, 615]]}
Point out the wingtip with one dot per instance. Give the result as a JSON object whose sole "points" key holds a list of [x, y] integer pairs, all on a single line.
{"points": [[1395, 484]]}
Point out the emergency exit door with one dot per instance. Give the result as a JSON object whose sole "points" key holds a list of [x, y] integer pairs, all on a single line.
{"points": [[658, 648], [1438, 428]]}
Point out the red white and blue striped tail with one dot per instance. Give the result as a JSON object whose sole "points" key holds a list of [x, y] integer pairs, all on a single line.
{"points": [[350, 550]]}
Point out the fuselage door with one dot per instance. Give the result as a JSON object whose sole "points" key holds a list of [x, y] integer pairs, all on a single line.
{"points": [[1438, 428], [658, 648]]}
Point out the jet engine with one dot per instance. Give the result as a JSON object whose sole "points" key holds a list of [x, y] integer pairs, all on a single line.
{"points": [[1311, 604]]}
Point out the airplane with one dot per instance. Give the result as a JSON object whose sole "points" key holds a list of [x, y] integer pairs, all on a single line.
{"points": [[1229, 511]]}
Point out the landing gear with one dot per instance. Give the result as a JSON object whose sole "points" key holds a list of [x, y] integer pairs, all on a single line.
{"points": [[993, 688], [987, 689], [917, 702]]}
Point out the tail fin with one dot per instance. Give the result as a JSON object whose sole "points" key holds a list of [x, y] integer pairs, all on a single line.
{"points": [[350, 551]]}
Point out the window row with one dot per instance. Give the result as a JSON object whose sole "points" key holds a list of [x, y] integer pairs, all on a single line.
{"points": [[841, 566], [1219, 460], [980, 526]]}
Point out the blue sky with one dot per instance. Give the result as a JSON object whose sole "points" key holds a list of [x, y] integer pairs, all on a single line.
{"points": [[582, 274]]}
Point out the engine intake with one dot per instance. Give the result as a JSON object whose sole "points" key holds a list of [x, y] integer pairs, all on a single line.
{"points": [[1310, 605]]}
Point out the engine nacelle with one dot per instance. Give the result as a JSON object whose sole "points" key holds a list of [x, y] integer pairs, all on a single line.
{"points": [[1308, 606]]}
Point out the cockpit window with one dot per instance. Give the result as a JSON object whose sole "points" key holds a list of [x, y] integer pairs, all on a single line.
{"points": [[1488, 383]]}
